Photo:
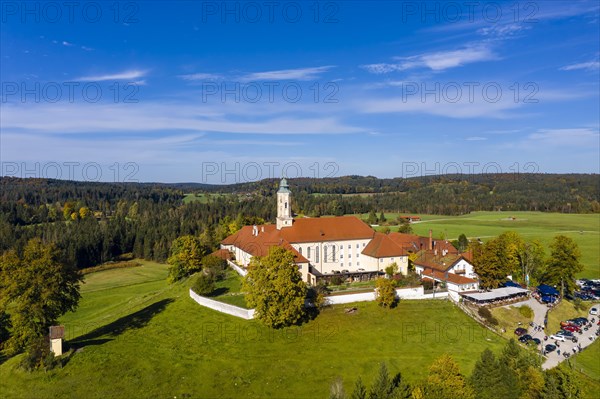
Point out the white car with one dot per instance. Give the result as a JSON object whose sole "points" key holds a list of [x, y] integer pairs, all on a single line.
{"points": [[557, 337], [594, 311]]}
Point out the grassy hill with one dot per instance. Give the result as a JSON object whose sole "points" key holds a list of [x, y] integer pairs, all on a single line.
{"points": [[139, 337]]}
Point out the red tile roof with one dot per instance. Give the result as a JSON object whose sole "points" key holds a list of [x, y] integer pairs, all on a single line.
{"points": [[382, 246], [451, 277], [327, 229], [222, 253]]}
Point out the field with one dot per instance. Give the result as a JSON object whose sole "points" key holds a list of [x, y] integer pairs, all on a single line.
{"points": [[140, 337], [584, 229], [201, 197]]}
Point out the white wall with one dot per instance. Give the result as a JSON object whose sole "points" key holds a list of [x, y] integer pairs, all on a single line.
{"points": [[238, 269], [223, 307], [345, 258]]}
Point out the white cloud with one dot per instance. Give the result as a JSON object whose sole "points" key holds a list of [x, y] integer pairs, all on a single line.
{"points": [[126, 75], [436, 61], [145, 117], [200, 76], [476, 138], [288, 74], [573, 137], [588, 66], [66, 43]]}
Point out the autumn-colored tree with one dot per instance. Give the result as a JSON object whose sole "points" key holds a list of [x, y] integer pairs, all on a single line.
{"points": [[38, 288], [445, 381], [274, 287], [563, 264], [186, 257], [386, 292]]}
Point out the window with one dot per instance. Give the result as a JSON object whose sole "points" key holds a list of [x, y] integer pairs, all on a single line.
{"points": [[317, 254], [342, 264], [392, 259], [349, 264], [341, 256], [300, 250], [381, 260], [341, 247], [349, 255], [333, 253], [357, 255], [349, 246], [308, 252], [364, 244], [286, 205], [357, 263], [356, 245], [325, 253]]}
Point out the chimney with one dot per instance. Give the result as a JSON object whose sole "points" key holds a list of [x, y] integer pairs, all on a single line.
{"points": [[254, 230], [430, 240], [262, 229]]}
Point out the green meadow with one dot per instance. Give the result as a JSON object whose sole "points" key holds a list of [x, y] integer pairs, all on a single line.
{"points": [[583, 228], [136, 336]]}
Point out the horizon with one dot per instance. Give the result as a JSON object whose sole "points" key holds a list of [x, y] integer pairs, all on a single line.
{"points": [[230, 92]]}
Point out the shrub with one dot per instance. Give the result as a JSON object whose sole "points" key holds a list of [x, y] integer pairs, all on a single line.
{"points": [[39, 356], [526, 311], [204, 285], [336, 280], [316, 295], [386, 293], [487, 316], [214, 267]]}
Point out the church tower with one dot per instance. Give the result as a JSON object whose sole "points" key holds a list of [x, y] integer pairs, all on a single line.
{"points": [[284, 206]]}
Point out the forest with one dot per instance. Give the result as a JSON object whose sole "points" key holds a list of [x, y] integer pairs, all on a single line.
{"points": [[93, 222]]}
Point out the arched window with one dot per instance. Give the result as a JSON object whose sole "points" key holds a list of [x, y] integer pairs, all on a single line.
{"points": [[286, 205], [308, 252], [317, 254], [333, 253], [325, 254], [300, 250]]}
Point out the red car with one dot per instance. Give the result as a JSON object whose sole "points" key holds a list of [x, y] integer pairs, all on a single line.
{"points": [[520, 331], [571, 328]]}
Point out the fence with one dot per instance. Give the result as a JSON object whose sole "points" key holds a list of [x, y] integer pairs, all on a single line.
{"points": [[223, 307], [238, 269]]}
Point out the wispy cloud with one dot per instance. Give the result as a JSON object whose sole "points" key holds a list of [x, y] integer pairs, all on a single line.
{"points": [[476, 138], [200, 76], [66, 43], [134, 74], [288, 74], [573, 137], [436, 61], [588, 66]]}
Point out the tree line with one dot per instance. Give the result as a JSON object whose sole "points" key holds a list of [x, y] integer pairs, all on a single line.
{"points": [[515, 373]]}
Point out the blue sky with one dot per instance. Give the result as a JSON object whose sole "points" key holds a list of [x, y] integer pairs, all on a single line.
{"points": [[223, 92]]}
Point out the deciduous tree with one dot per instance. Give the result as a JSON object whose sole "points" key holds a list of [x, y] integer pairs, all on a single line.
{"points": [[186, 257], [445, 381], [386, 292], [274, 287], [39, 288], [563, 264]]}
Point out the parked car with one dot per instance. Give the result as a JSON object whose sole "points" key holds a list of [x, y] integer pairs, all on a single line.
{"points": [[564, 333], [594, 311], [345, 271], [558, 337], [360, 269], [581, 320], [571, 328], [550, 348], [537, 341], [520, 331], [525, 338]]}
